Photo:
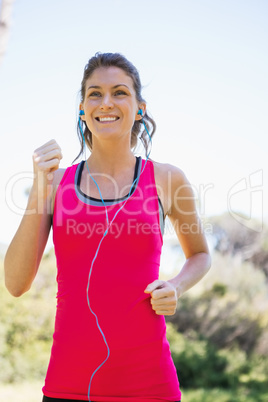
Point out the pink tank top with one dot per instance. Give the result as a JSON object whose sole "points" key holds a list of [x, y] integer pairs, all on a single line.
{"points": [[140, 367]]}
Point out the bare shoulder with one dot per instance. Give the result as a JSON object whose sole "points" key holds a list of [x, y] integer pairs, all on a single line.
{"points": [[165, 171], [168, 178], [57, 176]]}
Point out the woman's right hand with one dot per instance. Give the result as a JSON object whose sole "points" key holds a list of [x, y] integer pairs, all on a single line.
{"points": [[46, 159]]}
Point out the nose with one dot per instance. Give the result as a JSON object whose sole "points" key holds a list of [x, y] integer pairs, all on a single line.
{"points": [[107, 102]]}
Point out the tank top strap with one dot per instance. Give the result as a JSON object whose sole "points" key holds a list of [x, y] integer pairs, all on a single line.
{"points": [[147, 180], [69, 175]]}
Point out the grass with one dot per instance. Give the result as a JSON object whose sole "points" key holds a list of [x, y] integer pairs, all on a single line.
{"points": [[221, 395], [22, 392]]}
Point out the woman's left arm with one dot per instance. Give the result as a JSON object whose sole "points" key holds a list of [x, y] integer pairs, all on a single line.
{"points": [[189, 230]]}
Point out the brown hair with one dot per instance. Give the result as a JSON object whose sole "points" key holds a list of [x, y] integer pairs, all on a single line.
{"points": [[116, 60]]}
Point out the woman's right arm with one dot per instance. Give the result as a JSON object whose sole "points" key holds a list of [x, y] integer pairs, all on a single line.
{"points": [[24, 254]]}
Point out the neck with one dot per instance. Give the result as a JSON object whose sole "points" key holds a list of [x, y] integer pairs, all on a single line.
{"points": [[111, 161]]}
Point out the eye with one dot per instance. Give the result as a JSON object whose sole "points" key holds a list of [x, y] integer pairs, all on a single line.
{"points": [[120, 92], [95, 94]]}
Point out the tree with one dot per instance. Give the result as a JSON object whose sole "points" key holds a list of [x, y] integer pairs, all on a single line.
{"points": [[5, 20]]}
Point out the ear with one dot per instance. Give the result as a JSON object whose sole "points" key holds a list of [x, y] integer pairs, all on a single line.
{"points": [[81, 116], [141, 106]]}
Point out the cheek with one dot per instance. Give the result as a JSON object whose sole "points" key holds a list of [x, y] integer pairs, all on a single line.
{"points": [[90, 123], [89, 108], [132, 116], [132, 111]]}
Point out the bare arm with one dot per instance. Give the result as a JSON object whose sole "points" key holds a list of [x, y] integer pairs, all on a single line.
{"points": [[26, 249], [189, 230], [187, 225]]}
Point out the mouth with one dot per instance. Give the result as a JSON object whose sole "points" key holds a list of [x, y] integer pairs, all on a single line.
{"points": [[107, 119]]}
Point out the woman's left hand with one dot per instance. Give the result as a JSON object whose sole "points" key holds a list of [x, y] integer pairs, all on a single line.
{"points": [[163, 297]]}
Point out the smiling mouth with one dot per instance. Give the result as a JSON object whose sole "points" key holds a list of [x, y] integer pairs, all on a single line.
{"points": [[107, 119]]}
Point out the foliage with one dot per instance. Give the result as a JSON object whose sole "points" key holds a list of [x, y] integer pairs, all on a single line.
{"points": [[219, 334], [229, 307], [197, 361], [231, 237], [241, 394], [26, 325], [200, 364]]}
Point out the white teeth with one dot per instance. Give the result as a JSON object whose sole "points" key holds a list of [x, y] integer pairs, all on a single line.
{"points": [[107, 118]]}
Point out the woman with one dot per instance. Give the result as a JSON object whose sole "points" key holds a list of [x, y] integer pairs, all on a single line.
{"points": [[107, 214]]}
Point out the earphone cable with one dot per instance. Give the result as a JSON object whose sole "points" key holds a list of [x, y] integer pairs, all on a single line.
{"points": [[109, 223]]}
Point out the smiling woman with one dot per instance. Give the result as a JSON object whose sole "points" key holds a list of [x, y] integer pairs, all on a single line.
{"points": [[133, 88], [107, 214], [110, 108]]}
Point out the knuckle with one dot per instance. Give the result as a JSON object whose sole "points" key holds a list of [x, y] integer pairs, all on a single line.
{"points": [[36, 154]]}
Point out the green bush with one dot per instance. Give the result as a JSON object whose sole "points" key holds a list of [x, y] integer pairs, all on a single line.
{"points": [[26, 326], [199, 363], [229, 307]]}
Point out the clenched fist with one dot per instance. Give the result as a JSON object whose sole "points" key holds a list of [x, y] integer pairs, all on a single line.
{"points": [[46, 159], [163, 297]]}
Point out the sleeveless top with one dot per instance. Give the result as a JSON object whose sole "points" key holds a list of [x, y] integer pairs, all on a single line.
{"points": [[140, 367]]}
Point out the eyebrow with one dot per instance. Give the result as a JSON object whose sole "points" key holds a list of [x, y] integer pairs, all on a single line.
{"points": [[114, 87]]}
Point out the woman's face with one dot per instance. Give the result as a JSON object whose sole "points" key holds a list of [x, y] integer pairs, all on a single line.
{"points": [[110, 103]]}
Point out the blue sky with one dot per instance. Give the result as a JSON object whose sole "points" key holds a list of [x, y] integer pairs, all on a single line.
{"points": [[204, 68]]}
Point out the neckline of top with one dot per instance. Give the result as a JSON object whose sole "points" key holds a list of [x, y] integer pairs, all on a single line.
{"points": [[97, 201]]}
